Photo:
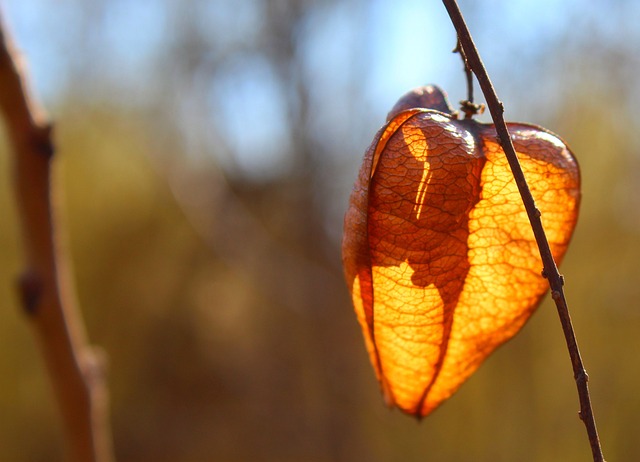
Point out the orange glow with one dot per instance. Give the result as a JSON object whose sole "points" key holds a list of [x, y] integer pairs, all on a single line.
{"points": [[438, 251]]}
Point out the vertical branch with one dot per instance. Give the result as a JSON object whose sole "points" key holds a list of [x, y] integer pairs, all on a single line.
{"points": [[75, 370], [550, 271]]}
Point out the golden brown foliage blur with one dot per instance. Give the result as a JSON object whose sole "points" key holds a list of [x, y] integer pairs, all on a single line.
{"points": [[203, 211]]}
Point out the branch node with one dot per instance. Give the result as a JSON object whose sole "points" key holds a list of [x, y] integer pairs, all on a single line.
{"points": [[95, 363], [470, 109], [582, 376], [42, 141], [30, 289]]}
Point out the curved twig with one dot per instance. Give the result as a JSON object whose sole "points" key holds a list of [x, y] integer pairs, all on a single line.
{"points": [[550, 271], [468, 106], [75, 370]]}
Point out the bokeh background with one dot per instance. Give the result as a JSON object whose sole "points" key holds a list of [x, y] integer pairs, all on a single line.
{"points": [[206, 154]]}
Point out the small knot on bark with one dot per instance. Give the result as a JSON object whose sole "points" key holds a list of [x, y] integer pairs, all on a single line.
{"points": [[30, 289], [43, 143], [95, 363], [582, 376], [470, 109]]}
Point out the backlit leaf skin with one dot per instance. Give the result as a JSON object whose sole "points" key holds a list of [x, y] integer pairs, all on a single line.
{"points": [[438, 251]]}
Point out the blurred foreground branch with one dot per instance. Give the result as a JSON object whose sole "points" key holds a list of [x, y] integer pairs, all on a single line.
{"points": [[74, 368]]}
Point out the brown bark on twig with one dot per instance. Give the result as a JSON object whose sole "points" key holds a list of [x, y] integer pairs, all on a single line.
{"points": [[550, 270], [74, 368]]}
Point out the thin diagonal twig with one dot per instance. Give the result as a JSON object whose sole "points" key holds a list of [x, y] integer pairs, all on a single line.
{"points": [[550, 271]]}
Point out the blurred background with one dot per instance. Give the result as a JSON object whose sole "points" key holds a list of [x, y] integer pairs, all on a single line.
{"points": [[206, 151]]}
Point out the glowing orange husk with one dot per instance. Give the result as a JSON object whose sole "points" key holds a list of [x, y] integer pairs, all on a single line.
{"points": [[438, 251]]}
